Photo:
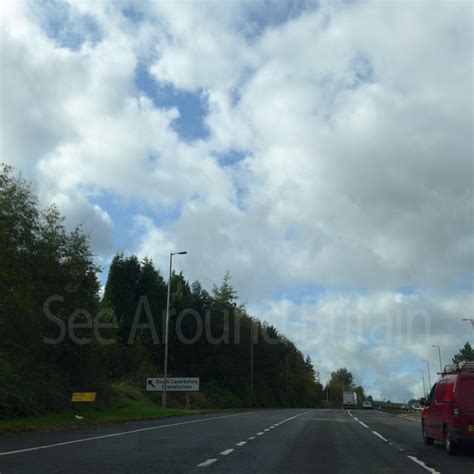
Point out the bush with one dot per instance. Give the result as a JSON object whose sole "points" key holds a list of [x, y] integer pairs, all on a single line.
{"points": [[220, 397], [15, 399]]}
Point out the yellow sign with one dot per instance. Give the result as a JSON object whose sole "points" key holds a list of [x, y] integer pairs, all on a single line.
{"points": [[83, 397]]}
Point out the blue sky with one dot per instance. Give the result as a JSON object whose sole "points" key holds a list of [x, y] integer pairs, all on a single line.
{"points": [[301, 146], [192, 106]]}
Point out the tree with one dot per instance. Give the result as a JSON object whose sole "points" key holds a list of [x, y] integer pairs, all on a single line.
{"points": [[465, 353], [341, 380], [225, 294], [39, 259]]}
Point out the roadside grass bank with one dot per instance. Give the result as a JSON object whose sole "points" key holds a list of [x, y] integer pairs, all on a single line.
{"points": [[411, 416], [127, 404]]}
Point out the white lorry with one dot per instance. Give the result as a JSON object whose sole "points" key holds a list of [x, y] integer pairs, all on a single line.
{"points": [[349, 399]]}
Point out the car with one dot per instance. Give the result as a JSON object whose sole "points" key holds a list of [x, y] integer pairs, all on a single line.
{"points": [[367, 405], [448, 414]]}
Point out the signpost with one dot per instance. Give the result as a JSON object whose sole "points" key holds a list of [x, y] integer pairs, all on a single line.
{"points": [[173, 384]]}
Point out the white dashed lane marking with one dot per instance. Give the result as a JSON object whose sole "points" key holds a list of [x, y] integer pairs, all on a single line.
{"points": [[243, 443], [412, 458], [207, 463], [380, 436]]}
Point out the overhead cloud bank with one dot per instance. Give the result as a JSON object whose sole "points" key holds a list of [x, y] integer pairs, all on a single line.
{"points": [[322, 153]]}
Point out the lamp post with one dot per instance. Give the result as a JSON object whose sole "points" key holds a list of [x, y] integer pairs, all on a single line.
{"points": [[424, 386], [471, 320], [327, 388], [251, 357], [165, 374], [440, 364], [427, 362]]}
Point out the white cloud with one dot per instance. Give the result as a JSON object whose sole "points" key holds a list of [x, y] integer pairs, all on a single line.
{"points": [[377, 336], [93, 220], [354, 121]]}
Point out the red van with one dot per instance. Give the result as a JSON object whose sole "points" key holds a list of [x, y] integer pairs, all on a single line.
{"points": [[448, 414]]}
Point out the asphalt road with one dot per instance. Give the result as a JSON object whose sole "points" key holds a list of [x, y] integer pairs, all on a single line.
{"points": [[269, 441]]}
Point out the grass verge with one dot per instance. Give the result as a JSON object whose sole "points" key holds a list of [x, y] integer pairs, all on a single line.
{"points": [[411, 416], [128, 404]]}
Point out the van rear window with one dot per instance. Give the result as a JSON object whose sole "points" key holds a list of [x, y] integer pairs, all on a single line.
{"points": [[466, 391]]}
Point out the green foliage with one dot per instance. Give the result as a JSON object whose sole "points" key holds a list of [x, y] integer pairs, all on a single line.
{"points": [[220, 397], [16, 399], [48, 282], [465, 353], [341, 380], [40, 260]]}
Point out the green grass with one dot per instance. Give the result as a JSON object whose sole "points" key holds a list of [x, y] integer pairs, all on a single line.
{"points": [[128, 404]]}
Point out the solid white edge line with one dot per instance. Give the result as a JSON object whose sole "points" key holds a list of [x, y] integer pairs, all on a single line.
{"points": [[241, 443], [380, 436], [122, 433], [422, 464], [226, 452], [207, 463]]}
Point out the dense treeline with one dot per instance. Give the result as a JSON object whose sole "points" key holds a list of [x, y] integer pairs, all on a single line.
{"points": [[58, 335]]}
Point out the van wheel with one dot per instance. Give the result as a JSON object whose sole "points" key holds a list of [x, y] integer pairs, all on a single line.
{"points": [[427, 440], [449, 444]]}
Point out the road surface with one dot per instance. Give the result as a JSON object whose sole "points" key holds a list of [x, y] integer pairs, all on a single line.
{"points": [[267, 441]]}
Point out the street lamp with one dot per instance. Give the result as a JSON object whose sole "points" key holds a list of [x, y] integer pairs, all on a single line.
{"points": [[424, 386], [429, 375], [251, 358], [327, 389], [471, 320], [440, 364], [165, 374]]}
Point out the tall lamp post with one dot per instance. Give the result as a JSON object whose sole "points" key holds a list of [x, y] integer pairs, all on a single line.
{"points": [[427, 362], [251, 357], [165, 374], [440, 364], [471, 320], [424, 386], [327, 388]]}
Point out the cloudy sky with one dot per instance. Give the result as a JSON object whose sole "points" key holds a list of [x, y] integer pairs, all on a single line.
{"points": [[319, 151]]}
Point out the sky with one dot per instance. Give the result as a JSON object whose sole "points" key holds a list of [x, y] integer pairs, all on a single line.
{"points": [[321, 152]]}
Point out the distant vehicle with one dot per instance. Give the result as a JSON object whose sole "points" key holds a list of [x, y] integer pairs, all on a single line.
{"points": [[367, 405], [349, 399], [448, 414]]}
